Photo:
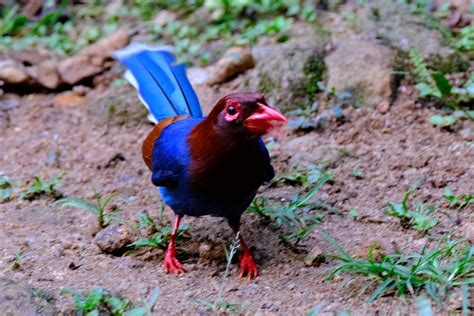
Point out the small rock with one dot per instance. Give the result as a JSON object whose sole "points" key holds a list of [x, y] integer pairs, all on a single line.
{"points": [[362, 68], [113, 239], [115, 106], [91, 60], [13, 73], [314, 257], [383, 107], [67, 99], [234, 61], [103, 265], [45, 74]]}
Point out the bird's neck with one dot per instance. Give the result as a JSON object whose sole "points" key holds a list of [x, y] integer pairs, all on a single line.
{"points": [[206, 141]]}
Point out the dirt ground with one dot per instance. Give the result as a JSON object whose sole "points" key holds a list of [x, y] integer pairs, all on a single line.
{"points": [[392, 151]]}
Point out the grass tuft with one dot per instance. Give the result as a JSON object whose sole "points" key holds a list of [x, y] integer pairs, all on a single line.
{"points": [[97, 207], [436, 270]]}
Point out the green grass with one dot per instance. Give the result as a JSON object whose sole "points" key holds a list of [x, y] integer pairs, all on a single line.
{"points": [[435, 85], [98, 301], [296, 217], [6, 188], [434, 270], [160, 233], [40, 188], [227, 23], [420, 217], [458, 201], [15, 264], [300, 176], [97, 207]]}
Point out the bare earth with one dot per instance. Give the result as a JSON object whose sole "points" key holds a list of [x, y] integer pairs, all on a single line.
{"points": [[392, 151]]}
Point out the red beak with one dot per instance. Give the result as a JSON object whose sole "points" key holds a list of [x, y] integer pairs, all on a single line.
{"points": [[263, 119]]}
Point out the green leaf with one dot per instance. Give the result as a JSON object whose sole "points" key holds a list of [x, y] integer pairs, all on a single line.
{"points": [[94, 312], [442, 84], [93, 299], [155, 294], [79, 203], [440, 120], [380, 290], [424, 89], [137, 311], [334, 243]]}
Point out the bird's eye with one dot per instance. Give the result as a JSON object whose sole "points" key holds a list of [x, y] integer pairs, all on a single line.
{"points": [[231, 110]]}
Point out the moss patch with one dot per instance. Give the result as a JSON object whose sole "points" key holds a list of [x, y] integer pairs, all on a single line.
{"points": [[314, 71]]}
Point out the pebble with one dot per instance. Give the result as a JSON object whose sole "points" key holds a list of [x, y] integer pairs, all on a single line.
{"points": [[113, 239]]}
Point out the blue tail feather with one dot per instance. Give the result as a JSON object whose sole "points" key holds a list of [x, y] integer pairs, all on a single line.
{"points": [[162, 86]]}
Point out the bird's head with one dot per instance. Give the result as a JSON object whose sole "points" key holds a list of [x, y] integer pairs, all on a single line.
{"points": [[246, 113]]}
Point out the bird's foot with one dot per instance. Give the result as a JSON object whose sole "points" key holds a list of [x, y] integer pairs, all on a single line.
{"points": [[172, 263], [247, 265]]}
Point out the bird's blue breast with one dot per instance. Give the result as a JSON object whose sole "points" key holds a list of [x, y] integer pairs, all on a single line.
{"points": [[171, 173]]}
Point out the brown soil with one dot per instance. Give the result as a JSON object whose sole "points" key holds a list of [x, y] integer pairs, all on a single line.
{"points": [[392, 151]]}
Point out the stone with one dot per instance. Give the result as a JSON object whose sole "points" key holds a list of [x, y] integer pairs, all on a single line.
{"points": [[314, 257], [286, 73], [113, 239], [234, 61], [116, 106], [91, 60], [383, 107], [13, 73], [46, 74], [362, 68], [400, 28]]}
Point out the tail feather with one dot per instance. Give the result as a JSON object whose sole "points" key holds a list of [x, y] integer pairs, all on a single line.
{"points": [[163, 87]]}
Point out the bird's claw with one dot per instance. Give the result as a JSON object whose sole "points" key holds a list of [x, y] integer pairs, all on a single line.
{"points": [[248, 266], [172, 263]]}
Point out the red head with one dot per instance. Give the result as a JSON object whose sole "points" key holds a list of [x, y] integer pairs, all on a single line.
{"points": [[246, 113]]}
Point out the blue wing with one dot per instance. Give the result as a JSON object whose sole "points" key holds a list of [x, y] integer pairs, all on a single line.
{"points": [[171, 153], [162, 86]]}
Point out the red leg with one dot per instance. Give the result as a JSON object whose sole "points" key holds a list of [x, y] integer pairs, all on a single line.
{"points": [[171, 262], [247, 263]]}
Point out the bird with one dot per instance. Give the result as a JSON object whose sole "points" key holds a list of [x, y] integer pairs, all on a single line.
{"points": [[209, 165]]}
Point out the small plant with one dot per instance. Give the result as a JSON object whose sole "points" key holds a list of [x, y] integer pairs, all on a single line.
{"points": [[295, 216], [44, 188], [420, 218], [98, 208], [357, 173], [466, 39], [220, 305], [6, 188], [159, 239], [98, 300], [160, 234], [459, 201], [435, 270], [16, 262], [301, 176], [436, 85], [354, 214]]}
